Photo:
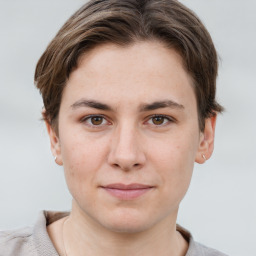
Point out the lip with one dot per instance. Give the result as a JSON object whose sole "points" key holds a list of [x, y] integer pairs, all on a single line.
{"points": [[127, 191]]}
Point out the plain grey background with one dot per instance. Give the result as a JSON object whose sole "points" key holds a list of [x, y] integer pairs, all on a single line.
{"points": [[220, 207]]}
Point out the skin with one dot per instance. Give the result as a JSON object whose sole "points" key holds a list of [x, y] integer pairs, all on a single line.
{"points": [[127, 144]]}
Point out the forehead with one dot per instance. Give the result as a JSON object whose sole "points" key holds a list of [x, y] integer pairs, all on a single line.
{"points": [[143, 71], [141, 56]]}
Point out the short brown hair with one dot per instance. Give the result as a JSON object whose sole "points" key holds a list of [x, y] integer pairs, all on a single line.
{"points": [[123, 23]]}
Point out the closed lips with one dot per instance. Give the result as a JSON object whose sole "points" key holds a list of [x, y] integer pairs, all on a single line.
{"points": [[127, 192], [134, 186]]}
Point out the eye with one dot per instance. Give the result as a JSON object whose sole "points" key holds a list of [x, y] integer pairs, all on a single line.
{"points": [[95, 120], [160, 120]]}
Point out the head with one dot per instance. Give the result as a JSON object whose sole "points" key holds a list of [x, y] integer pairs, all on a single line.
{"points": [[129, 96], [124, 23]]}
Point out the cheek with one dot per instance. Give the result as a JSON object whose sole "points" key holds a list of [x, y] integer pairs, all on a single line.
{"points": [[177, 167], [174, 161], [176, 153], [82, 159]]}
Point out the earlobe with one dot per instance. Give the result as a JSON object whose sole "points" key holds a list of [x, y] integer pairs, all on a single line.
{"points": [[206, 144], [55, 143]]}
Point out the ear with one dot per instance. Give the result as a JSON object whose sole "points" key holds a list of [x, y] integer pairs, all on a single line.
{"points": [[55, 143], [206, 143]]}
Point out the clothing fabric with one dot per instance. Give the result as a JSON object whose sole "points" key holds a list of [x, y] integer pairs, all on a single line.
{"points": [[35, 241]]}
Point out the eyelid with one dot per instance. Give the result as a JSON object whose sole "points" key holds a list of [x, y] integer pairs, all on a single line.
{"points": [[169, 118], [85, 118]]}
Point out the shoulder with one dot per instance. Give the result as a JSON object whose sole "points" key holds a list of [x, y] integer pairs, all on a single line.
{"points": [[17, 242], [195, 248], [30, 241], [205, 251]]}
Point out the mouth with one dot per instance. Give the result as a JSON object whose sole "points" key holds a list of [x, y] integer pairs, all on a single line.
{"points": [[127, 192]]}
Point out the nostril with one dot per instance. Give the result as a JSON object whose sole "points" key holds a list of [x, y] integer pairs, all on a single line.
{"points": [[126, 168]]}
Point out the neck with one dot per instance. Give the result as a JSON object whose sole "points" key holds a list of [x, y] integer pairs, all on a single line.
{"points": [[82, 236]]}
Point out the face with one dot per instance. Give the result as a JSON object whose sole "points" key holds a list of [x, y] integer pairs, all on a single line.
{"points": [[129, 135]]}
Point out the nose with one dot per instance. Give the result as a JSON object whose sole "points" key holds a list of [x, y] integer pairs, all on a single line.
{"points": [[126, 151]]}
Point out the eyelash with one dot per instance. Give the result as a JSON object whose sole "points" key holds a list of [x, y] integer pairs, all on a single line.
{"points": [[85, 119], [168, 118]]}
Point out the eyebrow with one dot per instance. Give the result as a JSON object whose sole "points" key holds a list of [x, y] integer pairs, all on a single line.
{"points": [[143, 107], [161, 104], [90, 104]]}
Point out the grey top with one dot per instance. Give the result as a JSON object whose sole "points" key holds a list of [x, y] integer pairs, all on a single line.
{"points": [[36, 242]]}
